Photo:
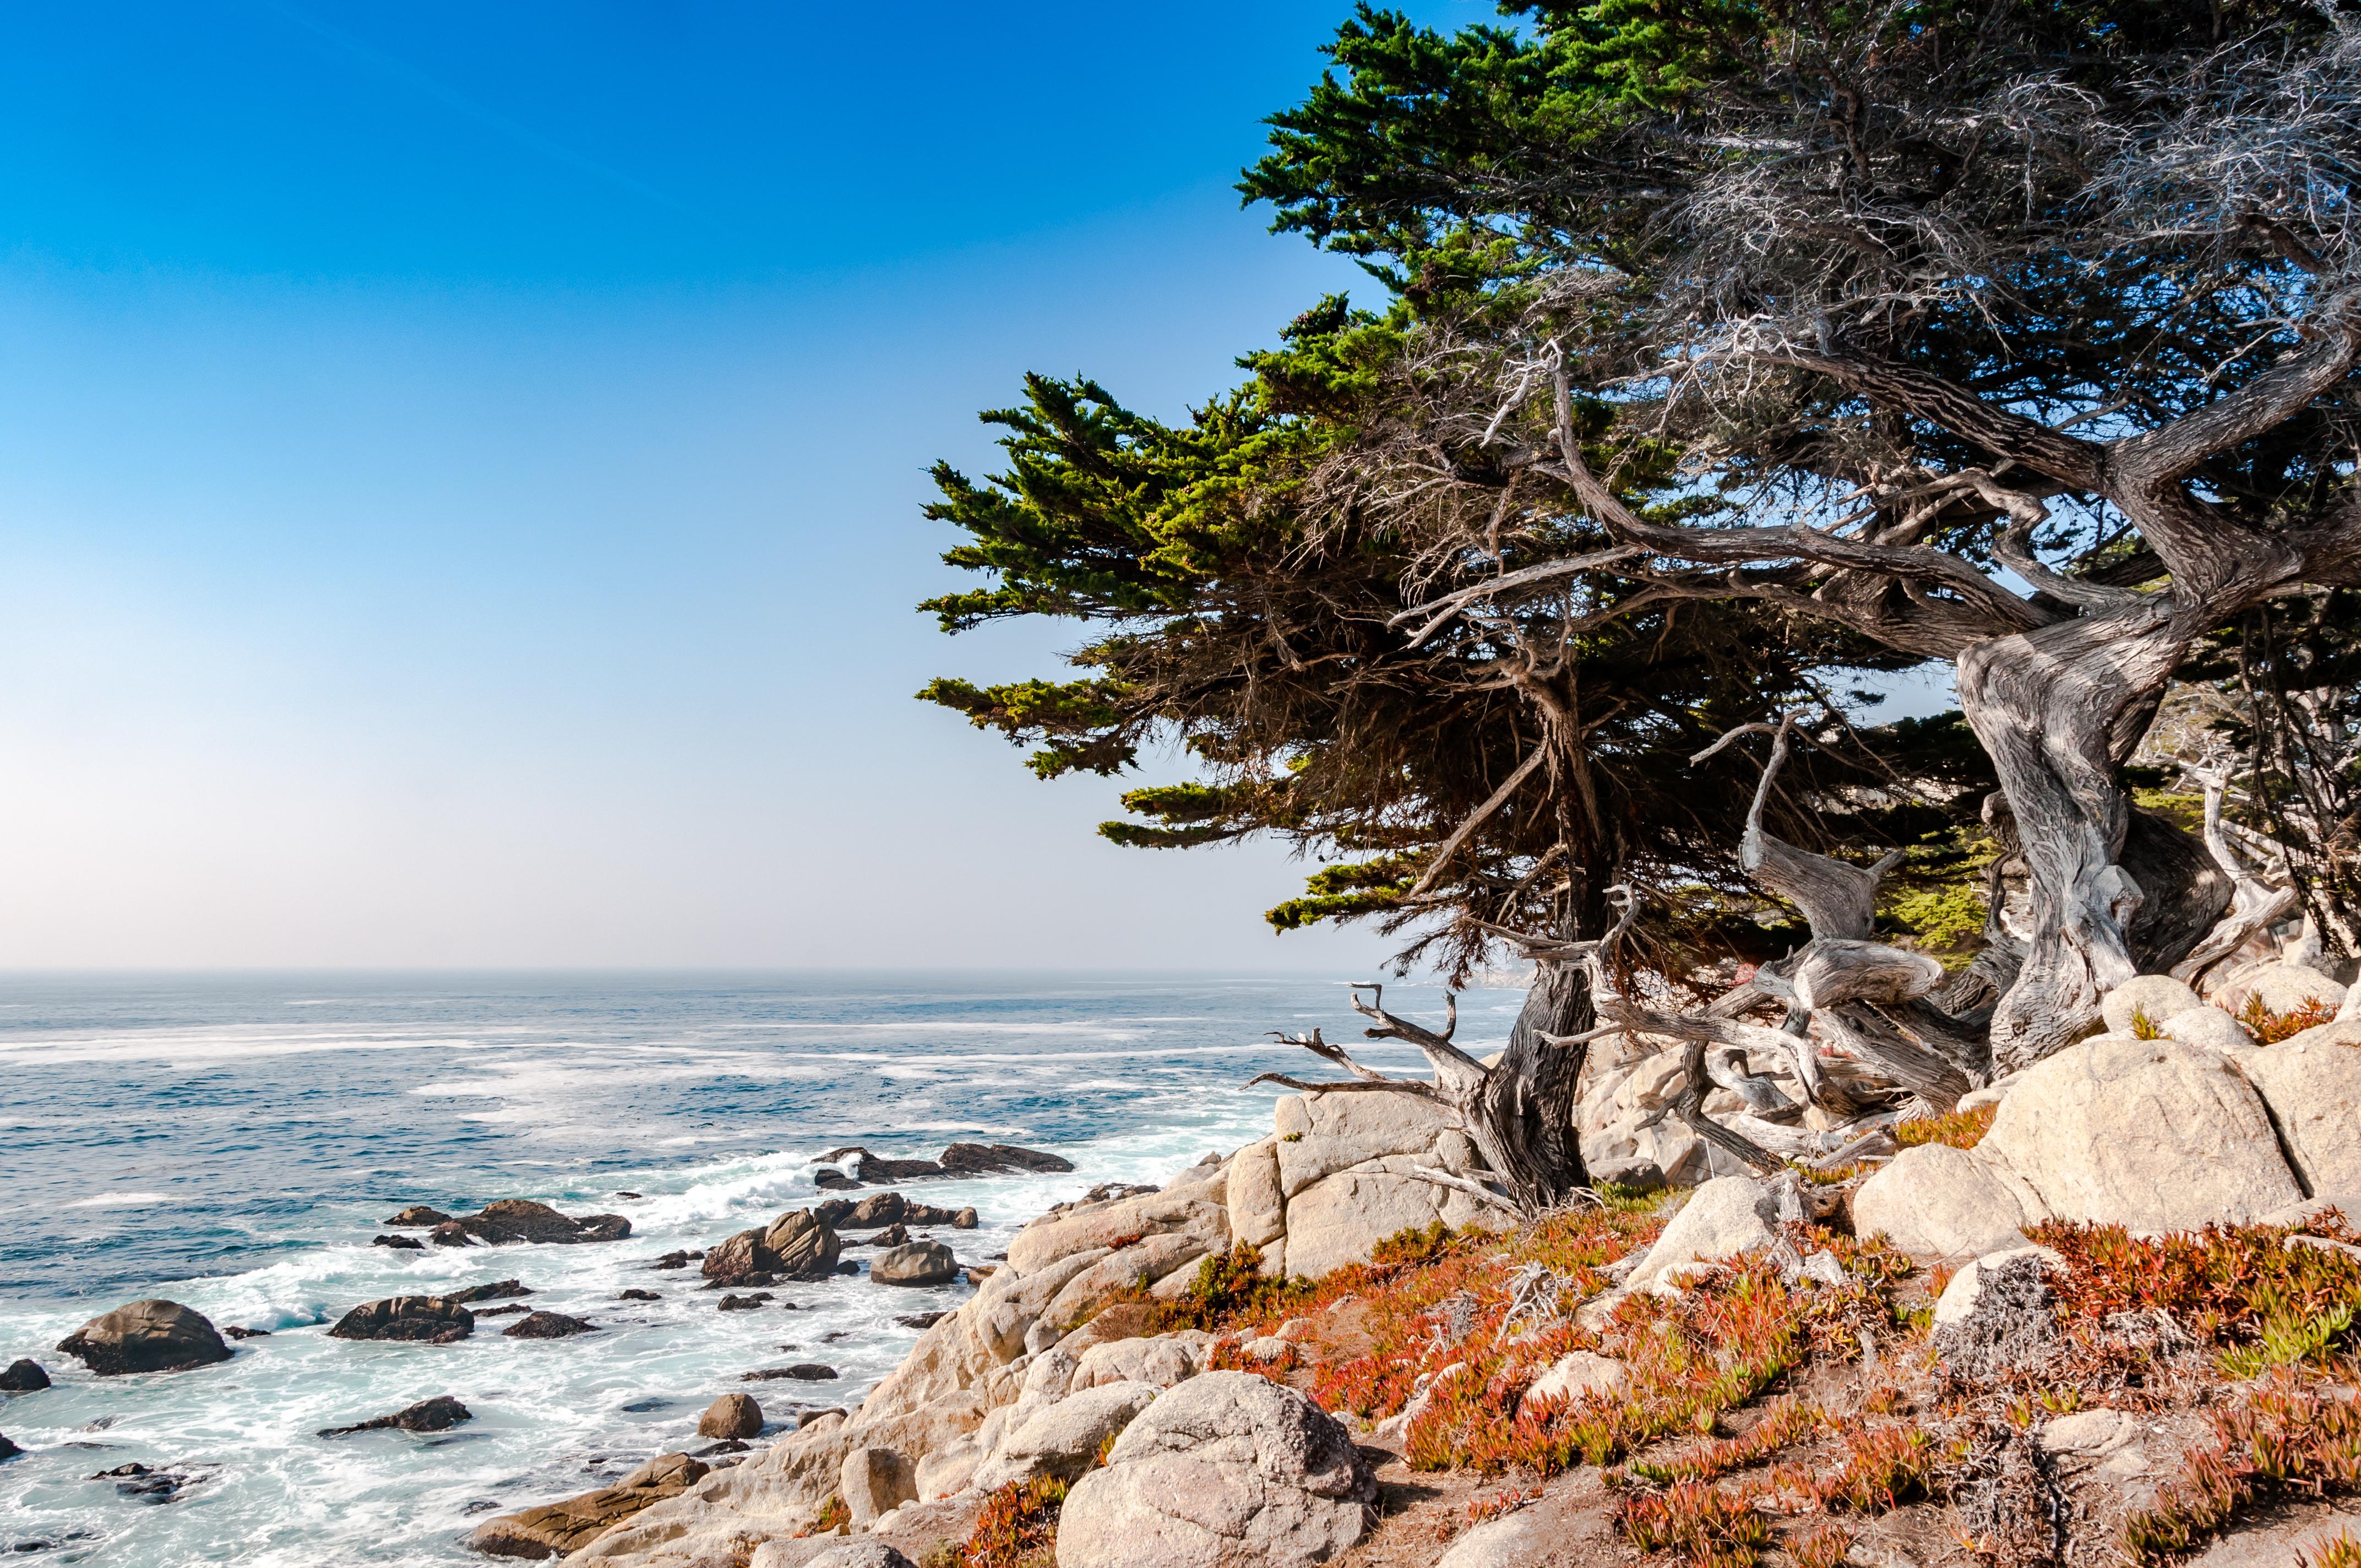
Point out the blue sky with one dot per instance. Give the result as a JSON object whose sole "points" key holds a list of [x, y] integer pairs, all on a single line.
{"points": [[460, 469]]}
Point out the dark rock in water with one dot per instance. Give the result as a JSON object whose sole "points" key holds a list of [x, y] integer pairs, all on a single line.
{"points": [[732, 1415], [795, 1246], [803, 1371], [892, 1236], [631, 1195], [547, 1325], [921, 1320], [139, 1481], [146, 1336], [965, 1220], [876, 1167], [639, 1296], [559, 1529], [401, 1244], [828, 1178], [512, 1220], [234, 1332], [928, 1214], [643, 1407], [497, 1290], [743, 1303], [415, 1320], [671, 1260], [919, 1263], [24, 1376], [727, 1445], [440, 1413], [7, 1450], [968, 1159], [848, 1268], [831, 1211], [877, 1208], [508, 1310]]}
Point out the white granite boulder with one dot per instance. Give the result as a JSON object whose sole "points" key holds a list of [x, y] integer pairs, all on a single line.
{"points": [[1728, 1215], [2155, 997], [2152, 1134], [1228, 1470], [2313, 1085], [1944, 1200], [1063, 1439]]}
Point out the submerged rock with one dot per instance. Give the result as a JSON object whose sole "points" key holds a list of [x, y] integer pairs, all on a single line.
{"points": [[146, 1336], [802, 1372], [402, 1244], [547, 1325], [418, 1216], [417, 1320], [497, 1290], [24, 1376], [7, 1450], [232, 1332], [440, 1413], [638, 1295]]}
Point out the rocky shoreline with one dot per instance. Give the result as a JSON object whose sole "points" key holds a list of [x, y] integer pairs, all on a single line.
{"points": [[1173, 1446]]}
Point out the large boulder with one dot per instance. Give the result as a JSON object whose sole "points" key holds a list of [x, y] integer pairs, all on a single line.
{"points": [[146, 1336], [731, 1416], [2313, 1085], [1258, 1209], [1088, 1226], [983, 1159], [1728, 1215], [914, 1262], [1160, 1361], [1320, 1134], [2152, 1134], [417, 1320], [2281, 987], [795, 1246], [1936, 1198], [2153, 997], [1228, 1470], [521, 1220], [24, 1376], [873, 1481], [800, 1247], [1147, 1260], [1063, 1439], [2209, 1028], [1341, 1218], [560, 1529]]}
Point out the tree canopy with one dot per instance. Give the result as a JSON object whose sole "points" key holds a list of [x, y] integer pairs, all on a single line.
{"points": [[1729, 349]]}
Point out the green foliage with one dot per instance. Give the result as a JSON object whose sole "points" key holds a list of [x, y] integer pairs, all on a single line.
{"points": [[1228, 1287]]}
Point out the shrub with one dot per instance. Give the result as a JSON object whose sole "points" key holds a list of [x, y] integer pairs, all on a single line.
{"points": [[1822, 1546], [2280, 1438], [1018, 1526], [1229, 1288], [2269, 1029], [1707, 1527], [2238, 1289], [834, 1518], [1961, 1129], [2339, 1550]]}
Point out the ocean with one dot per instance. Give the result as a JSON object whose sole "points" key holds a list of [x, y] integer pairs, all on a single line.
{"points": [[233, 1142]]}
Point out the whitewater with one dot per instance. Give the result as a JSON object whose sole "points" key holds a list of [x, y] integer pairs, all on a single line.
{"points": [[234, 1142]]}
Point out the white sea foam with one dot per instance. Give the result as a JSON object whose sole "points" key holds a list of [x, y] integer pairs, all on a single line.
{"points": [[120, 1201]]}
